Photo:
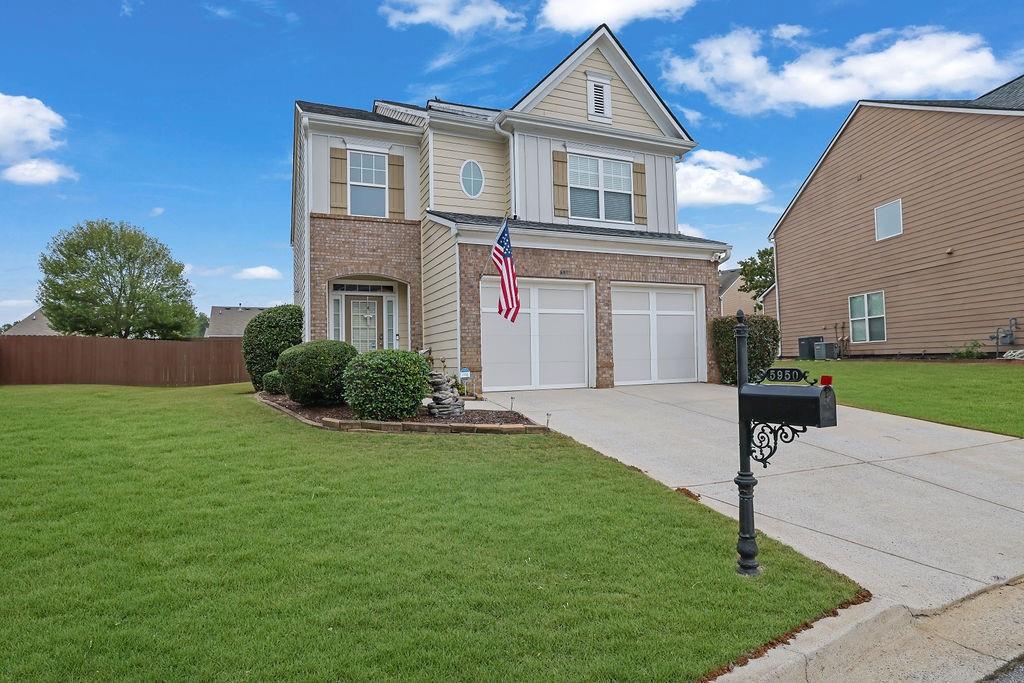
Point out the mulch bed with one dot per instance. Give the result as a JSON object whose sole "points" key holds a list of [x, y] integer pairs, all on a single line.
{"points": [[317, 413]]}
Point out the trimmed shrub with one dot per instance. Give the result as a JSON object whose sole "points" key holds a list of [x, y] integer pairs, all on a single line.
{"points": [[762, 344], [386, 384], [273, 383], [268, 334], [313, 373]]}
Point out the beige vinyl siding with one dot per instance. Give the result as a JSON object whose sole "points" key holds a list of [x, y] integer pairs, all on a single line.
{"points": [[568, 100], [450, 152], [733, 300], [299, 215], [426, 199], [961, 180], [440, 294], [770, 307]]}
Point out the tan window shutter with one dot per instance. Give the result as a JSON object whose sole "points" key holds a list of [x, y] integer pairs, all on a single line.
{"points": [[396, 186], [560, 182], [339, 180], [639, 194]]}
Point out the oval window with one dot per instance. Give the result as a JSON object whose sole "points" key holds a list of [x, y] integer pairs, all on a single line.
{"points": [[472, 178]]}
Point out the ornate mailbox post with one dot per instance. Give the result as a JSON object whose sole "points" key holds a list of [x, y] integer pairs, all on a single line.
{"points": [[770, 414]]}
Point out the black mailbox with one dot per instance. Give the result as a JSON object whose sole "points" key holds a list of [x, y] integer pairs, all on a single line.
{"points": [[812, 406]]}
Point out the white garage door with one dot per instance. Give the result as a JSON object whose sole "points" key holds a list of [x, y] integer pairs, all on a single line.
{"points": [[548, 345], [657, 334]]}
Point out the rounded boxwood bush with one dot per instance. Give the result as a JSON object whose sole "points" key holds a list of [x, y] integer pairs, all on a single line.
{"points": [[386, 384], [273, 383], [313, 373], [762, 344], [268, 334]]}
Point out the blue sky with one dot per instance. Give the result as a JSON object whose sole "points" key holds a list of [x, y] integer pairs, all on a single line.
{"points": [[176, 116]]}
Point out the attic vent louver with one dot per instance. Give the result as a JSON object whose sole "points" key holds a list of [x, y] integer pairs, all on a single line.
{"points": [[599, 97]]}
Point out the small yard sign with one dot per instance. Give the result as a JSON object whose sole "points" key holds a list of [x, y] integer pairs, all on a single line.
{"points": [[464, 373]]}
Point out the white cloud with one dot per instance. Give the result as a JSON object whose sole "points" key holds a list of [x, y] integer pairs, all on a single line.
{"points": [[258, 273], [37, 172], [16, 303], [692, 116], [574, 16], [710, 178], [128, 7], [157, 211], [771, 208], [220, 12], [276, 9], [690, 231], [454, 16], [788, 32], [735, 74], [206, 271]]}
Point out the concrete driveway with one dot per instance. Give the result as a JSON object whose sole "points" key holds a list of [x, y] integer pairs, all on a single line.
{"points": [[919, 513]]}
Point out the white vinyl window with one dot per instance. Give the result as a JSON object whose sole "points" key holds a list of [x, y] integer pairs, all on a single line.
{"points": [[601, 189], [367, 184], [867, 317], [889, 220], [599, 97], [472, 178]]}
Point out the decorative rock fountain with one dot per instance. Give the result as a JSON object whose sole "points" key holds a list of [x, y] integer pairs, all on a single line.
{"points": [[445, 400]]}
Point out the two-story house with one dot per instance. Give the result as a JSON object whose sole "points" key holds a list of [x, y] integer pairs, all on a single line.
{"points": [[395, 210], [907, 237]]}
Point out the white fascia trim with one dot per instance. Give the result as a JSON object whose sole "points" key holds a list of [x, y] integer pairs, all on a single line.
{"points": [[458, 304], [596, 151], [307, 332], [418, 113], [884, 105], [558, 127], [342, 125], [623, 65], [765, 292], [524, 238], [955, 110], [430, 168], [483, 113]]}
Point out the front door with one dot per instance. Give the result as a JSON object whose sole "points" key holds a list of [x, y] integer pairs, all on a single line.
{"points": [[364, 322]]}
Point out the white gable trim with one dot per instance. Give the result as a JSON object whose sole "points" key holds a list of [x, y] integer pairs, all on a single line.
{"points": [[626, 70], [883, 105]]}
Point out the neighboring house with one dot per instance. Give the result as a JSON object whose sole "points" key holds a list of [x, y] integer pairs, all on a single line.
{"points": [[395, 211], [35, 324], [730, 298], [907, 237], [769, 302], [230, 321]]}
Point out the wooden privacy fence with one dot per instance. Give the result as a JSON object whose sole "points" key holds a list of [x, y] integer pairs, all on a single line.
{"points": [[135, 362]]}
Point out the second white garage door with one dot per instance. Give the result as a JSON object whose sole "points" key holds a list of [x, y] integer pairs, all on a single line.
{"points": [[547, 347], [657, 334]]}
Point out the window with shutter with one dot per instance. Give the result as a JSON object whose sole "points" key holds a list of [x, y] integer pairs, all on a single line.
{"points": [[599, 97]]}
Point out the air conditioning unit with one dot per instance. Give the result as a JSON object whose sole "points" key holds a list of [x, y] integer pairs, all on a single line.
{"points": [[806, 345], [826, 351]]}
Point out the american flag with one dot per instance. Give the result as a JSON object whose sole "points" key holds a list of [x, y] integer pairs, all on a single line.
{"points": [[501, 254]]}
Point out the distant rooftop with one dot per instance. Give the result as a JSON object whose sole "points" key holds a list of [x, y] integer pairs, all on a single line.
{"points": [[346, 112], [230, 321], [34, 324], [1009, 96]]}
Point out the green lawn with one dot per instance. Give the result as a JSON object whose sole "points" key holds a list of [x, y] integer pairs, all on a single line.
{"points": [[169, 534], [984, 396]]}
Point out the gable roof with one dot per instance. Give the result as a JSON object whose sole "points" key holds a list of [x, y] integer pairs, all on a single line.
{"points": [[347, 112], [628, 71], [35, 324], [230, 321], [1005, 99], [726, 279]]}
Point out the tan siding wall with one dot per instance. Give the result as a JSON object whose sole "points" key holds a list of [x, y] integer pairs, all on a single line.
{"points": [[770, 307], [734, 300], [299, 216], [450, 152], [961, 178], [568, 101], [440, 294]]}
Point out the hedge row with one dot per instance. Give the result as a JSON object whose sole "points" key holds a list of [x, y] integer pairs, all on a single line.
{"points": [[762, 344]]}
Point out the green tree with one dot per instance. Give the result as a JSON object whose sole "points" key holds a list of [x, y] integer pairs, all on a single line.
{"points": [[107, 279], [5, 327], [757, 273], [202, 322]]}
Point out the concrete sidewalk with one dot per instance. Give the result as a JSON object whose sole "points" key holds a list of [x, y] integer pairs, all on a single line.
{"points": [[921, 514]]}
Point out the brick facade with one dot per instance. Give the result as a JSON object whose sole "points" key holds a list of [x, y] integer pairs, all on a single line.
{"points": [[352, 246], [602, 269]]}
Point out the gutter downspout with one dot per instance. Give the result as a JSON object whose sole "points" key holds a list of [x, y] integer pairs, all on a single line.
{"points": [[511, 164]]}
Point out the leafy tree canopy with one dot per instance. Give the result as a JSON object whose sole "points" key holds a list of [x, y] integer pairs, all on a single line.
{"points": [[757, 273], [107, 279], [202, 322]]}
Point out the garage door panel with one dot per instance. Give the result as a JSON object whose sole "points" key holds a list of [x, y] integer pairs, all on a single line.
{"points": [[676, 357], [630, 300], [631, 343], [489, 295], [562, 349], [562, 299], [674, 301], [505, 350]]}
